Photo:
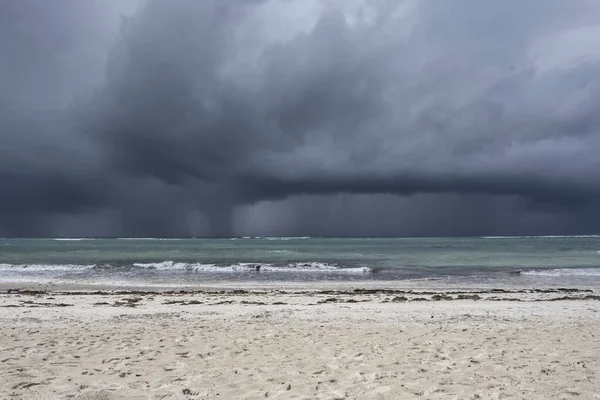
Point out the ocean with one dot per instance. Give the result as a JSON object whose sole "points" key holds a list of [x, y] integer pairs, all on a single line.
{"points": [[556, 261]]}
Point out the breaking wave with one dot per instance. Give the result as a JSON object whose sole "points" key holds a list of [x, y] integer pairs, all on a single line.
{"points": [[72, 239], [563, 272], [151, 238], [256, 267], [272, 237], [314, 267], [541, 237], [45, 267], [286, 237]]}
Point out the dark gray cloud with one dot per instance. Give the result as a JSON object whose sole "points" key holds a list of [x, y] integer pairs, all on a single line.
{"points": [[53, 55], [167, 120]]}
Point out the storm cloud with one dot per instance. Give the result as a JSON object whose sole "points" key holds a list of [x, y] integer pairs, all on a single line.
{"points": [[154, 118]]}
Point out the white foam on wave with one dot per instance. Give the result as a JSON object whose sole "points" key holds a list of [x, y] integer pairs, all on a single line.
{"points": [[558, 272], [45, 267], [314, 267], [287, 237], [72, 239], [149, 238], [174, 266], [249, 267], [543, 236]]}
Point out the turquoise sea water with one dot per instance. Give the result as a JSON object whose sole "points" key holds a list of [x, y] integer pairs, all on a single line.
{"points": [[490, 261]]}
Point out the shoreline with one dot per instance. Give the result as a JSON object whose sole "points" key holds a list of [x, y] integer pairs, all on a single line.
{"points": [[372, 294], [426, 284]]}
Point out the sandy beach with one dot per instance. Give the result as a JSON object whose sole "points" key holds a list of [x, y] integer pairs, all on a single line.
{"points": [[299, 344]]}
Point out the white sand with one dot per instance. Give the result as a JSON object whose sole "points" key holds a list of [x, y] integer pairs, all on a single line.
{"points": [[461, 349]]}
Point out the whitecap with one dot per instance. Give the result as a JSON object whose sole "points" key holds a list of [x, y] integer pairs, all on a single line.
{"points": [[542, 237], [297, 267], [72, 239], [46, 267], [558, 272]]}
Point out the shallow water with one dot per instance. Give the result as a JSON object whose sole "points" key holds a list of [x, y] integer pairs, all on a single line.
{"points": [[485, 261]]}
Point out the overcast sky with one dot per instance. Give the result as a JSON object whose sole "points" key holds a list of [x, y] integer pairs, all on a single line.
{"points": [[299, 117]]}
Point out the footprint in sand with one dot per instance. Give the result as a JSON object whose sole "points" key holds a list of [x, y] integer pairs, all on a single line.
{"points": [[96, 395]]}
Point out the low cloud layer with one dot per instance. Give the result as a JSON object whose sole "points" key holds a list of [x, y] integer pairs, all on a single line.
{"points": [[152, 118]]}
